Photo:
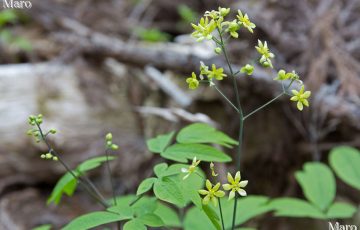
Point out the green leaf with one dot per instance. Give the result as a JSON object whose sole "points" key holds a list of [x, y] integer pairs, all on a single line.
{"points": [[247, 208], [204, 133], [213, 216], [151, 220], [94, 219], [168, 190], [345, 161], [340, 210], [134, 224], [169, 217], [182, 152], [159, 143], [92, 163], [145, 185], [145, 206], [42, 227], [67, 183], [293, 207], [160, 169], [196, 219], [318, 184]]}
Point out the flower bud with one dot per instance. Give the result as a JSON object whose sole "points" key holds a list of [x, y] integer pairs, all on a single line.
{"points": [[52, 131], [114, 147], [108, 137], [217, 50]]}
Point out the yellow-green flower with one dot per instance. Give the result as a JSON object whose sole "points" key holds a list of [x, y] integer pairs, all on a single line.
{"points": [[248, 69], [301, 97], [204, 29], [191, 168], [192, 81], [218, 74], [235, 185], [232, 29], [212, 193], [263, 49], [245, 21]]}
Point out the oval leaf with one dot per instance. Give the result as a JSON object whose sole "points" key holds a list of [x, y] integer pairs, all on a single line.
{"points": [[159, 143], [318, 184], [134, 224], [182, 152], [160, 169], [92, 220], [151, 220], [145, 185], [204, 133], [340, 210], [293, 207], [167, 190], [345, 161], [168, 216]]}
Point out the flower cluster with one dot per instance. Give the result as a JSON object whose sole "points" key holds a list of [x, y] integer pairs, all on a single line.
{"points": [[213, 26], [213, 192], [108, 142], [301, 97], [35, 122], [49, 156], [215, 20], [213, 73]]}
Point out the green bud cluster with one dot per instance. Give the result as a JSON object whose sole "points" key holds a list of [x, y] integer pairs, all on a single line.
{"points": [[35, 121], [49, 156], [108, 142]]}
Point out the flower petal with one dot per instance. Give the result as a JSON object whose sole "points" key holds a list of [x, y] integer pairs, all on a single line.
{"points": [[206, 200], [227, 186], [184, 170], [230, 178], [306, 94], [300, 106], [216, 187], [294, 98], [231, 195], [203, 192], [305, 102], [237, 177], [219, 193], [243, 183], [242, 192], [208, 185]]}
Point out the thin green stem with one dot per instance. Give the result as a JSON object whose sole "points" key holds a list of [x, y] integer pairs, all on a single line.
{"points": [[221, 215], [241, 120], [110, 175], [264, 105], [81, 181], [227, 99]]}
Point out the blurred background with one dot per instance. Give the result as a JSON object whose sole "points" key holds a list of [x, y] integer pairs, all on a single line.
{"points": [[97, 66]]}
